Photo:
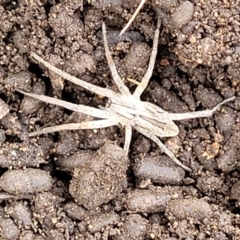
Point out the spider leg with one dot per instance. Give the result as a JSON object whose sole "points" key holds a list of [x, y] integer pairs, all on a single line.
{"points": [[77, 126], [98, 90], [144, 82], [197, 114], [128, 138], [94, 112], [122, 88], [150, 135], [133, 16]]}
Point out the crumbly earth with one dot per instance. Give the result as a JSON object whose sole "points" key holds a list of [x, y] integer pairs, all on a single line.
{"points": [[79, 184]]}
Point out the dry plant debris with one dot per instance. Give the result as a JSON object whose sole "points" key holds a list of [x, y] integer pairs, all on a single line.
{"points": [[133, 16], [4, 109]]}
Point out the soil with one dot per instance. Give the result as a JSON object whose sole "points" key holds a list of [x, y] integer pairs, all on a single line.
{"points": [[80, 184]]}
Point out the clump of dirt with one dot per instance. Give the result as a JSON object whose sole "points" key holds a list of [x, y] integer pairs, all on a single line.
{"points": [[80, 184], [100, 178]]}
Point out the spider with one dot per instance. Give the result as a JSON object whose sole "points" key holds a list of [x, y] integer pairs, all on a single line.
{"points": [[122, 107]]}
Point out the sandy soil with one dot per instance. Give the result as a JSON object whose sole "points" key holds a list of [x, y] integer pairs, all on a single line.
{"points": [[80, 184]]}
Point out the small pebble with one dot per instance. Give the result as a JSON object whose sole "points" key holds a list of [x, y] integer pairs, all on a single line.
{"points": [[25, 181]]}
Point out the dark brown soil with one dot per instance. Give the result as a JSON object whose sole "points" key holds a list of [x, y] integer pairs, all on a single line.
{"points": [[80, 184]]}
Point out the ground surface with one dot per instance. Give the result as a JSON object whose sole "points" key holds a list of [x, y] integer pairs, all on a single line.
{"points": [[79, 185]]}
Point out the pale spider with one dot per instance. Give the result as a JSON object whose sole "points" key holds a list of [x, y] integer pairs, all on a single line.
{"points": [[124, 108]]}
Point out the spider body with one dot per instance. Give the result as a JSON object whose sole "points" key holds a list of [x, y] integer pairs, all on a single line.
{"points": [[123, 107]]}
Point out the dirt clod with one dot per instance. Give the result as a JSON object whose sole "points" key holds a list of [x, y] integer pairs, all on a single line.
{"points": [[183, 14], [98, 222], [25, 181], [21, 155], [197, 209], [159, 170], [134, 227], [21, 214], [9, 230], [150, 201], [101, 178]]}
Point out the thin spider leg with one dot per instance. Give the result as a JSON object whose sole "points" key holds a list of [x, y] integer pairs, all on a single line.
{"points": [[98, 90], [128, 137], [133, 16], [123, 120], [77, 126], [94, 112], [118, 81], [144, 82], [197, 114], [150, 135]]}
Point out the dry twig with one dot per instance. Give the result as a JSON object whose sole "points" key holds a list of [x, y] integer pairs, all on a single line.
{"points": [[133, 16]]}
